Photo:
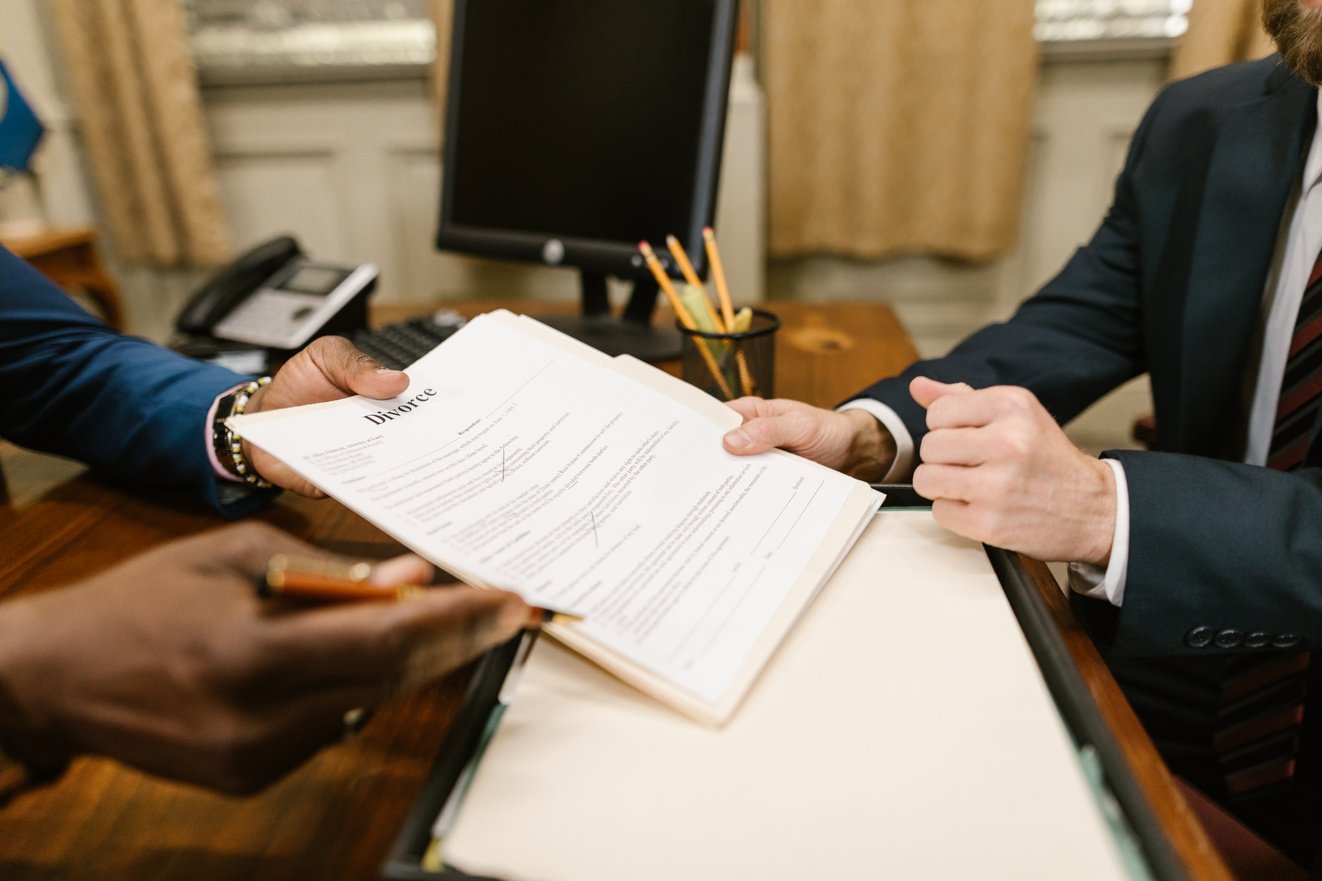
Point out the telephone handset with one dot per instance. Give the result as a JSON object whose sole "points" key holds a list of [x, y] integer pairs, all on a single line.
{"points": [[218, 297], [275, 297]]}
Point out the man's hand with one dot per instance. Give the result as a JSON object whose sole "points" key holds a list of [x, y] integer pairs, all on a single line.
{"points": [[999, 469], [852, 441], [330, 368], [170, 662]]}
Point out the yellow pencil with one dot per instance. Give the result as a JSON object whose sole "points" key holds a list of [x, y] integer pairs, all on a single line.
{"points": [[663, 281], [690, 276], [727, 308], [667, 287], [718, 276]]}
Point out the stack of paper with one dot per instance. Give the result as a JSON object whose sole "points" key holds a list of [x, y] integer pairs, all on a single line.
{"points": [[903, 731], [522, 459]]}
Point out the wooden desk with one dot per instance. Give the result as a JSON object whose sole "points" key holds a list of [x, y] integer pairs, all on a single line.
{"points": [[335, 817]]}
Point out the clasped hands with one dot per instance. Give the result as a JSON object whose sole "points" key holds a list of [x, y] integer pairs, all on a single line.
{"points": [[996, 465]]}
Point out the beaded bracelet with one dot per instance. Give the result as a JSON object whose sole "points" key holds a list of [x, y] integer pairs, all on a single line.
{"points": [[229, 446]]}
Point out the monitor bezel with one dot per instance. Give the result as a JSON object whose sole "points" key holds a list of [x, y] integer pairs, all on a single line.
{"points": [[597, 255]]}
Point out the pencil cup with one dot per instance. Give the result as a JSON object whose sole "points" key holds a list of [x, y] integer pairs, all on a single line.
{"points": [[731, 365]]}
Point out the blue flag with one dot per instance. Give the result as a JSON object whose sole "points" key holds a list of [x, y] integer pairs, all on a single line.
{"points": [[20, 130]]}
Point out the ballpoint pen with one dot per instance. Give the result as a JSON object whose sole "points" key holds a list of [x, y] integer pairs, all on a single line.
{"points": [[323, 581]]}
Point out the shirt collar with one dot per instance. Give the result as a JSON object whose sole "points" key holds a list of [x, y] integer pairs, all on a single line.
{"points": [[1313, 167]]}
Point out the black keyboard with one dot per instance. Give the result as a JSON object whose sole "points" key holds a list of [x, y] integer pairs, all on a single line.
{"points": [[399, 345]]}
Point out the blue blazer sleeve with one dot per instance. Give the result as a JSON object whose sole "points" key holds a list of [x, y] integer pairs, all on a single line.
{"points": [[71, 385]]}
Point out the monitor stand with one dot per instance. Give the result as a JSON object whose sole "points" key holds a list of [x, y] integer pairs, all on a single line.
{"points": [[629, 334]]}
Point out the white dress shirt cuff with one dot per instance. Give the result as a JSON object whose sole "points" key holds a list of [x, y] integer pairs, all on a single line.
{"points": [[1109, 583], [902, 469]]}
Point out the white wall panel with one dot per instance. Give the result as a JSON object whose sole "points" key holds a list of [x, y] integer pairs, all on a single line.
{"points": [[270, 193]]}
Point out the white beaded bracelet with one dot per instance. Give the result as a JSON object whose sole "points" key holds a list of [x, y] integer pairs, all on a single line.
{"points": [[229, 445]]}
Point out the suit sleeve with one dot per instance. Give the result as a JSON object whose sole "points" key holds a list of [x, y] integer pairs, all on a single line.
{"points": [[1075, 340], [73, 386], [1221, 546], [1218, 550]]}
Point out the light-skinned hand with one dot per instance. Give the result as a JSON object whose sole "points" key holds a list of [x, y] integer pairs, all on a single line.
{"points": [[852, 441], [170, 662], [999, 469], [329, 368]]}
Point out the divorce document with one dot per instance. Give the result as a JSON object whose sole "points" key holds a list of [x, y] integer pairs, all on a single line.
{"points": [[521, 459]]}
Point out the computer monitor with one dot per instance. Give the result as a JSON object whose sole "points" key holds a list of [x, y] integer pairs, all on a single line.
{"points": [[577, 128]]}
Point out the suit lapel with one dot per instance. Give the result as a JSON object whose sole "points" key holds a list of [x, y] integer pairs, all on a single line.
{"points": [[1256, 152]]}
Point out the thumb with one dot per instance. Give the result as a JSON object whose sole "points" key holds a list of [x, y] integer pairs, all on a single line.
{"points": [[926, 391], [754, 436], [406, 569], [766, 432], [356, 372], [456, 625]]}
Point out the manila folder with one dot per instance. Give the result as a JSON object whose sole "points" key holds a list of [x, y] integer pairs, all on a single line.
{"points": [[902, 731]]}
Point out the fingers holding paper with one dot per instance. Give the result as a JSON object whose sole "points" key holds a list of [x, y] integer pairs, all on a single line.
{"points": [[1000, 470], [329, 368], [851, 441]]}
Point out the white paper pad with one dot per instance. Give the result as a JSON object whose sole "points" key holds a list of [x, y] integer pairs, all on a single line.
{"points": [[903, 731]]}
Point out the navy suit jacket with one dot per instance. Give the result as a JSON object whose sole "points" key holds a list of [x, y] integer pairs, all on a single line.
{"points": [[71, 385], [1172, 284]]}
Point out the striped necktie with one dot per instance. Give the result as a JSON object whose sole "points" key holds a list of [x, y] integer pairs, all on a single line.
{"points": [[1301, 385], [1261, 713]]}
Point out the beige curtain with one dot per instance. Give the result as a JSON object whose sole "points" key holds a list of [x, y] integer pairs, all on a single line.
{"points": [[133, 79], [1220, 32], [897, 126], [442, 13]]}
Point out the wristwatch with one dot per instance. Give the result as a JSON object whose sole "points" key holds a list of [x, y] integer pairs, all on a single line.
{"points": [[227, 444]]}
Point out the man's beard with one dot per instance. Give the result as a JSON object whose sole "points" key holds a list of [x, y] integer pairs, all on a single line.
{"points": [[1298, 35]]}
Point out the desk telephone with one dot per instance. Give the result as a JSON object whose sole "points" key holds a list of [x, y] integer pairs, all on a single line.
{"points": [[277, 298]]}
